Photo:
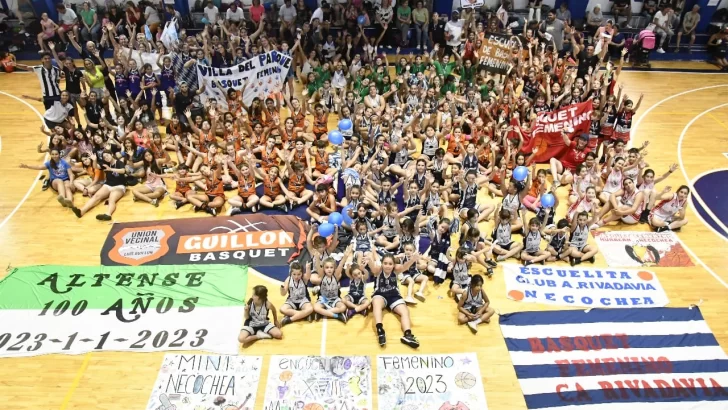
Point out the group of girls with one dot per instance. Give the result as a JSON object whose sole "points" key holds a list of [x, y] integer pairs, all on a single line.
{"points": [[431, 152]]}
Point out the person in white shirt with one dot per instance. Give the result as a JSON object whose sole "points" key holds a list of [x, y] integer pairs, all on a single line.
{"points": [[234, 14], [68, 21], [454, 32], [689, 24], [662, 26], [211, 13], [287, 15]]}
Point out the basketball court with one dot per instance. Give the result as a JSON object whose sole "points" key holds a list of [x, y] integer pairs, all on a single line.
{"points": [[683, 115]]}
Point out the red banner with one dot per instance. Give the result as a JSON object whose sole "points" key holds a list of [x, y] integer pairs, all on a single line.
{"points": [[547, 131]]}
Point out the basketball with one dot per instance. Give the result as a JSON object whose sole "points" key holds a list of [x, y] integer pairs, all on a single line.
{"points": [[465, 380], [313, 406]]}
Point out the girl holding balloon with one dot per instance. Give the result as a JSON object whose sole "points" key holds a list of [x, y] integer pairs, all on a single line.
{"points": [[323, 203], [538, 187]]}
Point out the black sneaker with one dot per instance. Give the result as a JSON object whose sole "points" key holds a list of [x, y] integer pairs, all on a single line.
{"points": [[286, 321], [46, 183], [211, 211], [410, 340], [644, 217], [235, 211], [662, 229], [382, 337], [76, 211], [103, 217], [491, 263], [575, 261], [343, 317], [197, 208], [178, 204], [310, 318], [489, 272], [526, 263]]}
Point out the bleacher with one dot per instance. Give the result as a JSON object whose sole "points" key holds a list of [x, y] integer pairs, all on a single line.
{"points": [[637, 23]]}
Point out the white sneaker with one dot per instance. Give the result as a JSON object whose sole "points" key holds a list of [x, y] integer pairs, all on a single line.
{"points": [[661, 51], [473, 327], [262, 335], [594, 227], [410, 300], [420, 296], [419, 47]]}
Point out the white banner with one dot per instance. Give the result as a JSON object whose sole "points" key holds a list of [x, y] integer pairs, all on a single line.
{"points": [[637, 249], [194, 381], [430, 382], [26, 333], [143, 58], [264, 74], [338, 382], [469, 4], [598, 288]]}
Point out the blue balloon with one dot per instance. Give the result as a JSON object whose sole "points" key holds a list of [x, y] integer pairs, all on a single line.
{"points": [[520, 173], [345, 124], [336, 138], [345, 214], [204, 20], [361, 20], [336, 218], [326, 229], [547, 200]]}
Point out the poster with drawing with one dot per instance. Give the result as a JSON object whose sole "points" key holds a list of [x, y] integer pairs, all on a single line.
{"points": [[319, 383], [209, 382], [430, 382]]}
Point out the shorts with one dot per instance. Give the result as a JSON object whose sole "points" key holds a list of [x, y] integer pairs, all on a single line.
{"points": [[328, 303], [265, 328], [578, 248], [654, 217], [532, 254], [154, 187], [390, 301], [461, 285], [356, 299], [473, 309], [413, 277], [67, 27], [121, 188], [296, 305], [631, 219], [506, 246], [211, 198]]}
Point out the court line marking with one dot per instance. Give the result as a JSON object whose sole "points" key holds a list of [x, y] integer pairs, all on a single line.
{"points": [[666, 99], [76, 381], [722, 124], [697, 213], [35, 181], [693, 192]]}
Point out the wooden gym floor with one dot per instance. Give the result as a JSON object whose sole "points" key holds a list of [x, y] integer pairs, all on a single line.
{"points": [[684, 116]]}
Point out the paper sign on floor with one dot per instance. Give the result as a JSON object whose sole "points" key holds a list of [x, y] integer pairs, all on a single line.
{"points": [[430, 382], [200, 381], [318, 383]]}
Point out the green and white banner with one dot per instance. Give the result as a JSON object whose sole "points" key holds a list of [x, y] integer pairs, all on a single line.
{"points": [[76, 309]]}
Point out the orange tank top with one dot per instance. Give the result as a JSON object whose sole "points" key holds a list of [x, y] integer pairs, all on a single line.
{"points": [[296, 183], [246, 186], [320, 124], [271, 188]]}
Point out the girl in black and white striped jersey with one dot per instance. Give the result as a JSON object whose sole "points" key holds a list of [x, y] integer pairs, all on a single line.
{"points": [[474, 307], [257, 325], [298, 304], [439, 247]]}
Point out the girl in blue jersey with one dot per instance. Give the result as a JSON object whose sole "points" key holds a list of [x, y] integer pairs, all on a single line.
{"points": [[59, 175], [387, 296]]}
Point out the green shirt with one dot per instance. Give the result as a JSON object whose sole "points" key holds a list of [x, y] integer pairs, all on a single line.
{"points": [[467, 74], [444, 69], [484, 91], [322, 75], [447, 87], [87, 16], [404, 12], [418, 68]]}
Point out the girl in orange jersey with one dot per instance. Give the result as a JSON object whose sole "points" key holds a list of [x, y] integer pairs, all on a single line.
{"points": [[88, 177], [269, 155], [183, 190], [205, 132], [320, 122], [213, 198], [322, 204], [321, 160], [300, 154], [247, 198], [297, 193], [273, 189]]}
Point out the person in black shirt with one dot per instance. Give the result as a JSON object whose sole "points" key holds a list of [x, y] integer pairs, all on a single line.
{"points": [[93, 106], [183, 99], [113, 189], [437, 31], [586, 59]]}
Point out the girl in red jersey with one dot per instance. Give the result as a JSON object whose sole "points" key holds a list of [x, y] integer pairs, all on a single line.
{"points": [[623, 124], [562, 169]]}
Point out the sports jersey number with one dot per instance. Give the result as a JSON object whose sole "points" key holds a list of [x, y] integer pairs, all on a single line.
{"points": [[426, 384]]}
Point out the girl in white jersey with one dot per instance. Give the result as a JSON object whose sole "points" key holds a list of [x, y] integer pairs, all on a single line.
{"points": [[298, 303], [614, 178], [329, 303], [474, 307], [668, 214], [646, 183], [588, 204], [257, 325], [582, 180], [532, 252], [625, 205], [580, 250]]}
